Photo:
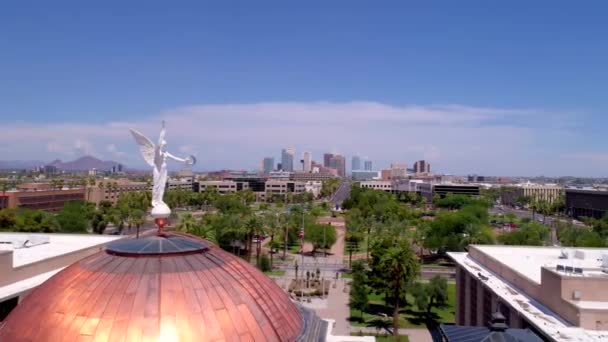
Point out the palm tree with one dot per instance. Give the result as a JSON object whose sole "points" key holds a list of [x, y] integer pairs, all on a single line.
{"points": [[254, 227], [138, 217], [186, 223], [402, 268], [273, 229]]}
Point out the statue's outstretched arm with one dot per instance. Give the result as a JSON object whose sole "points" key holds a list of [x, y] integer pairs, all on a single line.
{"points": [[178, 159]]}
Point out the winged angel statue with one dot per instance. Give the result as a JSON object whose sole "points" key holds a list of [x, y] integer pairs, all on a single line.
{"points": [[156, 156]]}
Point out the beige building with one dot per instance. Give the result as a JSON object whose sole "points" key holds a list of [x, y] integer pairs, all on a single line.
{"points": [[543, 192], [184, 184], [398, 170], [283, 186], [110, 190], [222, 187], [559, 293]]}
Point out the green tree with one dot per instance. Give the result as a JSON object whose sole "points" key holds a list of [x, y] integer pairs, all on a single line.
{"points": [[530, 234], [393, 267], [99, 222], [572, 236], [137, 218], [8, 219], [71, 218], [431, 295], [330, 186], [274, 229], [320, 235], [358, 296], [186, 222]]}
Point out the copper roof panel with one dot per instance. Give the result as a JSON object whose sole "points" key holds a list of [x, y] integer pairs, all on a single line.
{"points": [[206, 296]]}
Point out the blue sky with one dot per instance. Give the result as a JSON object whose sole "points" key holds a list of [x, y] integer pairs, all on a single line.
{"points": [[507, 89]]}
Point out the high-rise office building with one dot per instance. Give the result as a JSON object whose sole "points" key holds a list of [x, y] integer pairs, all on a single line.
{"points": [[268, 165], [306, 161], [356, 163], [287, 159], [326, 159], [338, 162], [367, 165], [422, 166]]}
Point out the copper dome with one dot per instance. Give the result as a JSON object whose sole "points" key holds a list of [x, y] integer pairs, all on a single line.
{"points": [[189, 293]]}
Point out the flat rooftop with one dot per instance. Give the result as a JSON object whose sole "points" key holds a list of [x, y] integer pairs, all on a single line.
{"points": [[528, 261], [29, 248]]}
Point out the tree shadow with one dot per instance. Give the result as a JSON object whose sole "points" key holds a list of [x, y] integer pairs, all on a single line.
{"points": [[417, 317], [379, 309]]}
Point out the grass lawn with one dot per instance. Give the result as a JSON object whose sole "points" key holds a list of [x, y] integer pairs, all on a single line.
{"points": [[387, 338], [362, 247], [346, 276], [411, 315], [276, 273]]}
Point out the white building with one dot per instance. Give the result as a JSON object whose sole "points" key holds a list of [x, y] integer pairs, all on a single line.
{"points": [[559, 293], [222, 187], [27, 260], [378, 185], [314, 187]]}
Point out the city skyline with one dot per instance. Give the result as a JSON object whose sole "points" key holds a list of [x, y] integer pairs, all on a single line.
{"points": [[504, 94]]}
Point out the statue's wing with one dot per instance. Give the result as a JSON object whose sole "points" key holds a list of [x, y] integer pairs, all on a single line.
{"points": [[145, 146]]}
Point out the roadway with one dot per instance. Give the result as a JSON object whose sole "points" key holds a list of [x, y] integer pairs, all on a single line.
{"points": [[341, 194]]}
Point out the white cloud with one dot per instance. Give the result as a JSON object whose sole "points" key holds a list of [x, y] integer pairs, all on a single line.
{"points": [[456, 139]]}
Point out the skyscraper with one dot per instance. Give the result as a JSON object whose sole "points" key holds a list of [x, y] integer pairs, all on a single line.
{"points": [[287, 159], [326, 158], [422, 166], [356, 163], [307, 162], [338, 162], [367, 165], [268, 165]]}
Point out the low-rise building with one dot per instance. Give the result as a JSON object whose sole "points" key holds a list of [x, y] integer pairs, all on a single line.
{"points": [[27, 260], [407, 185], [184, 184], [311, 176], [222, 187], [377, 185], [539, 192], [110, 190], [586, 203], [314, 187], [49, 200], [559, 293], [282, 186]]}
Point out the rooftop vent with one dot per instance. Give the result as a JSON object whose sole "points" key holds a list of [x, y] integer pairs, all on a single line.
{"points": [[576, 295]]}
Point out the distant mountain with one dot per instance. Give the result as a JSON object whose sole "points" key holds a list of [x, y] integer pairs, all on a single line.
{"points": [[84, 163], [20, 164]]}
